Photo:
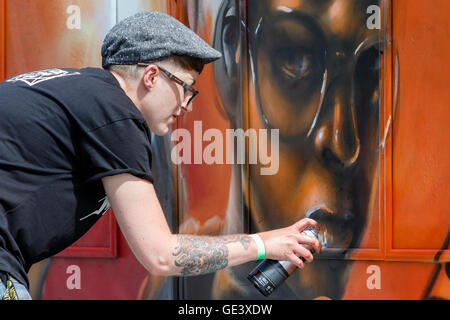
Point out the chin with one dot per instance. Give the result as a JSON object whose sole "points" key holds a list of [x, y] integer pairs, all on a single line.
{"points": [[161, 130], [162, 133]]}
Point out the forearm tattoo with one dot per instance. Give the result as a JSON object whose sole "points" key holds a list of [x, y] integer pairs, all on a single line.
{"points": [[201, 254]]}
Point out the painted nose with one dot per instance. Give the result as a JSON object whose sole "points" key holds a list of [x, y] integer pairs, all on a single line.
{"points": [[336, 139]]}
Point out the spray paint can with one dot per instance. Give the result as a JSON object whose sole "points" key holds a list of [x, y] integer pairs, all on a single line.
{"points": [[270, 274]]}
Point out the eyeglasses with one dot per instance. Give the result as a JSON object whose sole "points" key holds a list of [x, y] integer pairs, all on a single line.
{"points": [[305, 72], [186, 87]]}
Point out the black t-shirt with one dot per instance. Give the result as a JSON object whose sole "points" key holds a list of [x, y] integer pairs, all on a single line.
{"points": [[61, 131]]}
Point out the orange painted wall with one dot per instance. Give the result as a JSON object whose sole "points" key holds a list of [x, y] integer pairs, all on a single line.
{"points": [[420, 159]]}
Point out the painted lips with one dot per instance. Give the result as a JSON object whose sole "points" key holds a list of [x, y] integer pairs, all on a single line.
{"points": [[336, 231]]}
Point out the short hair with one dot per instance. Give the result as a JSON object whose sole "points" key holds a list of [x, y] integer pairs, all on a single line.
{"points": [[185, 62], [189, 63]]}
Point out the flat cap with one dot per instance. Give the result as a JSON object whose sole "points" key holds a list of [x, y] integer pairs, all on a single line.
{"points": [[152, 36]]}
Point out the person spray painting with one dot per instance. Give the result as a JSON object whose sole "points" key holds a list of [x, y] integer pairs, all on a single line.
{"points": [[75, 142]]}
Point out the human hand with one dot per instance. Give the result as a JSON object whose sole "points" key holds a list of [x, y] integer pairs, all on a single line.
{"points": [[285, 244]]}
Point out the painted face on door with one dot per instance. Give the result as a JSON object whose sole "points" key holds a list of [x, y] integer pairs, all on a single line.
{"points": [[314, 74]]}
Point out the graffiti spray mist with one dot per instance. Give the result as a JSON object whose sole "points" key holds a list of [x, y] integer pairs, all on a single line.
{"points": [[270, 274]]}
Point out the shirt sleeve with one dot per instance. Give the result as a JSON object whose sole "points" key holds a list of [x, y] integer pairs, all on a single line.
{"points": [[122, 146]]}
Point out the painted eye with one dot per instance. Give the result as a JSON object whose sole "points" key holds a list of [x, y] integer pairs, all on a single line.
{"points": [[295, 65]]}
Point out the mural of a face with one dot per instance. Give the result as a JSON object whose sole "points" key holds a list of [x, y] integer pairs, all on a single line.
{"points": [[314, 74]]}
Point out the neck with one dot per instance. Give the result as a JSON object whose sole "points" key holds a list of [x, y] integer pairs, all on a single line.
{"points": [[129, 88]]}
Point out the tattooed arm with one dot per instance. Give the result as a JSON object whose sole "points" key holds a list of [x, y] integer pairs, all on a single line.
{"points": [[200, 254], [142, 222]]}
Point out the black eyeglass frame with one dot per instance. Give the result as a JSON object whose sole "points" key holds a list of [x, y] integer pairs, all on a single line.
{"points": [[174, 78]]}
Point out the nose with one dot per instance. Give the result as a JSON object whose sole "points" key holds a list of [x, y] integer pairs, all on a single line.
{"points": [[336, 139]]}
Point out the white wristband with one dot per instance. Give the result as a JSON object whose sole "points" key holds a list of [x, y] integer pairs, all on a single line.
{"points": [[260, 246]]}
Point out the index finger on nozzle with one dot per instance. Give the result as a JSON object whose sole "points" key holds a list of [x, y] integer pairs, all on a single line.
{"points": [[307, 222]]}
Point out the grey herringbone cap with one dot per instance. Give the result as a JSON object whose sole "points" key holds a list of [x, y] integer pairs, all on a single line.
{"points": [[152, 36]]}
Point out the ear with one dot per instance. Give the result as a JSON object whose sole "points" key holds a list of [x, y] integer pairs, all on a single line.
{"points": [[150, 76], [227, 39]]}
